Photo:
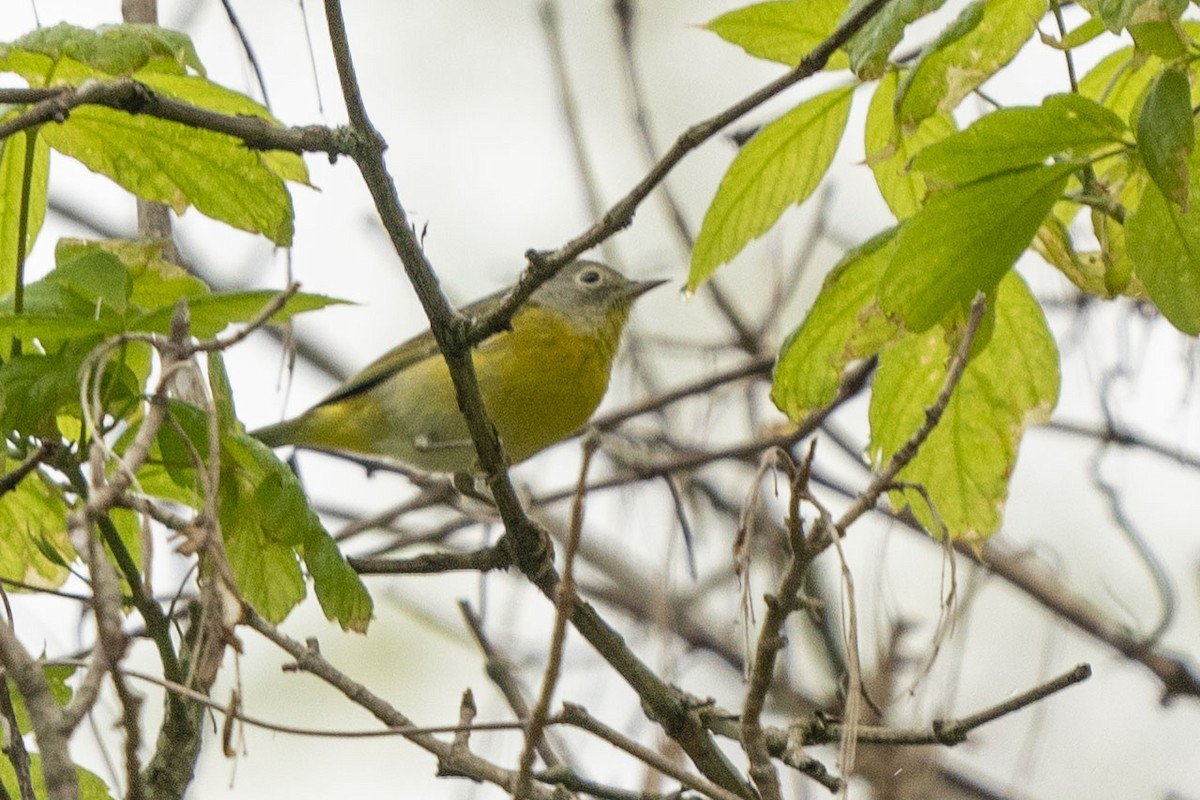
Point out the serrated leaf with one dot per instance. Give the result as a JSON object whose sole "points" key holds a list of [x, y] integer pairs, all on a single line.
{"points": [[1014, 138], [870, 48], [268, 525], [170, 163], [965, 464], [964, 240], [1166, 135], [984, 37], [779, 167], [109, 50], [31, 516], [889, 149], [212, 313], [782, 30], [844, 324], [203, 93], [1164, 246], [13, 152]]}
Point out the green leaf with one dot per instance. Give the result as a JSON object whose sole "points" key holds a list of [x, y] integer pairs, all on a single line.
{"points": [[1117, 82], [203, 93], [1088, 30], [91, 787], [779, 167], [844, 324], [170, 163], [34, 548], [964, 240], [1164, 245], [966, 462], [1166, 135], [154, 281], [211, 314], [38, 390], [53, 330], [1120, 80], [1084, 269], [222, 391], [1162, 36], [109, 50], [95, 275], [889, 149], [1116, 13], [12, 178], [870, 47], [56, 676], [782, 30], [128, 525], [1014, 138], [267, 525], [984, 37]]}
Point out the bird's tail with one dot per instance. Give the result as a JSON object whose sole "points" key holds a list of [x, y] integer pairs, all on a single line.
{"points": [[280, 434]]}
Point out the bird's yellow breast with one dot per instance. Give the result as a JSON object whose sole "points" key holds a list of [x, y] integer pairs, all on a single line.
{"points": [[539, 381]]}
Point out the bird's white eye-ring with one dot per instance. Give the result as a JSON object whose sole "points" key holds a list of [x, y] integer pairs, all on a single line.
{"points": [[589, 276]]}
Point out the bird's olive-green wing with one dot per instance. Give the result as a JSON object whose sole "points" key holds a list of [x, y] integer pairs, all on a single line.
{"points": [[404, 355]]}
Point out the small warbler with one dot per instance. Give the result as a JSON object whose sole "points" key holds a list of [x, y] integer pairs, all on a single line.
{"points": [[540, 380]]}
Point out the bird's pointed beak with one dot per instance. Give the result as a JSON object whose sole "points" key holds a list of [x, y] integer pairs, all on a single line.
{"points": [[638, 288]]}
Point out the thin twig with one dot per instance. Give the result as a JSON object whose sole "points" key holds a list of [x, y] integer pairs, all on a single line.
{"points": [[543, 265], [564, 601], [501, 672], [309, 659], [10, 479], [14, 745], [578, 717], [625, 14], [483, 560]]}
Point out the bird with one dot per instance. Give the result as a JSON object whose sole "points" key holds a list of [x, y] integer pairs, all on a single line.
{"points": [[540, 379]]}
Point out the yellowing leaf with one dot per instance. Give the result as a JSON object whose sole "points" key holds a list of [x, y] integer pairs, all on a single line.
{"points": [[34, 548], [844, 324], [889, 149], [173, 164], [965, 464], [985, 37], [779, 167]]}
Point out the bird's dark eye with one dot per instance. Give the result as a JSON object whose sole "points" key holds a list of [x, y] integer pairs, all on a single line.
{"points": [[589, 277]]}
